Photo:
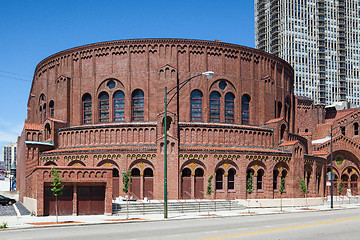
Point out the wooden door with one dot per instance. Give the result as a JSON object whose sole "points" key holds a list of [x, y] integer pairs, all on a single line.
{"points": [[148, 187], [135, 187], [186, 187], [199, 187]]}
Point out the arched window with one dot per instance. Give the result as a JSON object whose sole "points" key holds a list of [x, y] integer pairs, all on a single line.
{"points": [[51, 106], [282, 131], [199, 172], [245, 110], [119, 106], [44, 110], [135, 172], [279, 109], [259, 179], [229, 107], [196, 106], [219, 179], [138, 105], [103, 107], [356, 129], [186, 172], [148, 172], [214, 107], [115, 172], [86, 108], [231, 179]]}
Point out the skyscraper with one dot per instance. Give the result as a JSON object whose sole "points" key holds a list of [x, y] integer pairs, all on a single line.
{"points": [[320, 39], [9, 156]]}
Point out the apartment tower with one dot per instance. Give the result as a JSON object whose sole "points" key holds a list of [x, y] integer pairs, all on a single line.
{"points": [[320, 39]]}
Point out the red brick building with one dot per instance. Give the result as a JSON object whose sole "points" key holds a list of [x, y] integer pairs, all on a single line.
{"points": [[97, 110]]}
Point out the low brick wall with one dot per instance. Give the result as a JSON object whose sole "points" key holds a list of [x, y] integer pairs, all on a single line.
{"points": [[286, 202]]}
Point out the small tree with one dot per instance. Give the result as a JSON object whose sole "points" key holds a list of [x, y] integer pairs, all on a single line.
{"points": [[340, 187], [281, 191], [249, 187], [209, 189], [57, 188], [303, 189], [125, 189]]}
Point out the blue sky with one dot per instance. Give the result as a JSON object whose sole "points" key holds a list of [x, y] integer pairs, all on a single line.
{"points": [[32, 30]]}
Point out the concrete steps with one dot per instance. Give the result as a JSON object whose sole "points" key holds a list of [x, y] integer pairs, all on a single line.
{"points": [[183, 206]]}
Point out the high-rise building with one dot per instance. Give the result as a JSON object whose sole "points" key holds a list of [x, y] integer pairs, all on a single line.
{"points": [[320, 39], [9, 156]]}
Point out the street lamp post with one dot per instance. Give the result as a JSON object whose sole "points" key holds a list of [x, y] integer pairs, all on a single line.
{"points": [[209, 74]]}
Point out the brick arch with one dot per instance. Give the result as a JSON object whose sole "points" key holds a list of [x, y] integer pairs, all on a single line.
{"points": [[76, 163], [223, 163], [259, 164], [50, 163], [146, 162], [198, 163], [112, 162]]}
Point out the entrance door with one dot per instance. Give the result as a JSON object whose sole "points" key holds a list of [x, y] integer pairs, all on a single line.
{"points": [[148, 183], [199, 183], [186, 184], [135, 187]]}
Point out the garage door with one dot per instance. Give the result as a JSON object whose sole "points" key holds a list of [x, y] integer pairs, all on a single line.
{"points": [[65, 202], [91, 200]]}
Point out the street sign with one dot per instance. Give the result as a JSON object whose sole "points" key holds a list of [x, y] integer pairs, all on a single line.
{"points": [[2, 170]]}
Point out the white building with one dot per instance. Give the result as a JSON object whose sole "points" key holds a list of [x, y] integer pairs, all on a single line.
{"points": [[320, 39], [9, 156]]}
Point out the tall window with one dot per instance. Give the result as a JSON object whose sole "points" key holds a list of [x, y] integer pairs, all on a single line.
{"points": [[219, 179], [342, 130], [356, 129], [245, 110], [275, 178], [119, 106], [259, 179], [44, 110], [231, 179], [40, 110], [196, 106], [229, 107], [214, 107], [103, 107], [138, 105], [86, 108], [51, 106]]}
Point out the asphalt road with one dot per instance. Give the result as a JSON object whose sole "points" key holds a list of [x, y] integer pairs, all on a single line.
{"points": [[338, 224]]}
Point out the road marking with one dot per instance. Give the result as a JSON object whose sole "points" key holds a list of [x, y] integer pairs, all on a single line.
{"points": [[279, 229]]}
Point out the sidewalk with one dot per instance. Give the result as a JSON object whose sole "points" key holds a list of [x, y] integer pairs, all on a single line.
{"points": [[23, 222]]}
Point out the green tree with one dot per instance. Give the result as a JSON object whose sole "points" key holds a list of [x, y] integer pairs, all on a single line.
{"points": [[57, 188], [303, 189], [125, 189], [209, 189], [281, 191], [249, 186]]}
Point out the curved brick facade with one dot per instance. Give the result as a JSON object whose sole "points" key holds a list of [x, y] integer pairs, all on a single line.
{"points": [[97, 109]]}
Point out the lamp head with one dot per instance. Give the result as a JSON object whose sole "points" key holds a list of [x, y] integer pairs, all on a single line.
{"points": [[208, 74]]}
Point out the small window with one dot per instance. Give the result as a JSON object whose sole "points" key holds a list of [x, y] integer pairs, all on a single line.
{"points": [[86, 108], [44, 110], [356, 129], [119, 106], [138, 105], [229, 107], [222, 85], [52, 109], [135, 172], [343, 130], [231, 179], [111, 84], [196, 106], [103, 107], [148, 172], [245, 110], [215, 107], [259, 179], [219, 179]]}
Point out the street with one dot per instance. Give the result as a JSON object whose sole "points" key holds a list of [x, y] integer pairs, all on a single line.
{"points": [[338, 224]]}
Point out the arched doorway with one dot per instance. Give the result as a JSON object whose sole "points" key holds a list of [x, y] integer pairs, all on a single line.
{"points": [[135, 183], [199, 183], [116, 187], [186, 183], [148, 183]]}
